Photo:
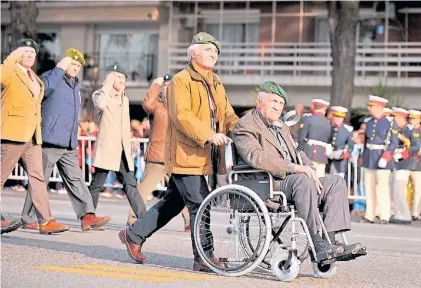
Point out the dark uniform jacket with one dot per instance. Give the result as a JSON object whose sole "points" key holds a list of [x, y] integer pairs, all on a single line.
{"points": [[382, 131], [409, 161], [315, 127], [341, 140]]}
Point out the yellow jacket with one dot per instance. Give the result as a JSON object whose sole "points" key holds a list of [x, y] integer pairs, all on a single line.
{"points": [[189, 123], [20, 108]]}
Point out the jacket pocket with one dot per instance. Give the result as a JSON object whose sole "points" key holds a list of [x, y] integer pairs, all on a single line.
{"points": [[189, 154], [17, 111]]}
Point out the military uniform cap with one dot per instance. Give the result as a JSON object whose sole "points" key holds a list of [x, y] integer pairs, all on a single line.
{"points": [[116, 67], [26, 42], [376, 100], [387, 111], [273, 88], [167, 77], [320, 102], [339, 111], [206, 38], [414, 114], [400, 111], [76, 55]]}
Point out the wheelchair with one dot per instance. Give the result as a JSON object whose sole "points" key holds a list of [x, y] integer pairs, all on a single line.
{"points": [[241, 232]]}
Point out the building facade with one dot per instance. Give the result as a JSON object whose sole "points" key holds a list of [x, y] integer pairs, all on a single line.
{"points": [[284, 41]]}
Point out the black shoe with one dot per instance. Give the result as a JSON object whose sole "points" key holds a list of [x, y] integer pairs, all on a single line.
{"points": [[401, 222], [349, 248], [326, 251], [8, 226]]}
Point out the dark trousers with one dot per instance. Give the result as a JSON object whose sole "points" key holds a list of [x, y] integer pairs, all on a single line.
{"points": [[126, 178], [68, 166], [183, 190]]}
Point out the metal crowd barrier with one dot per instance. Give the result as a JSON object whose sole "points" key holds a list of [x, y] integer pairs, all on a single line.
{"points": [[86, 142]]}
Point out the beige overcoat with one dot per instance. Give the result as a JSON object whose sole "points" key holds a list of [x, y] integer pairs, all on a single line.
{"points": [[114, 129]]}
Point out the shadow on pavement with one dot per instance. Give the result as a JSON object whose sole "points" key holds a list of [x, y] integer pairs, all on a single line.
{"points": [[100, 252]]}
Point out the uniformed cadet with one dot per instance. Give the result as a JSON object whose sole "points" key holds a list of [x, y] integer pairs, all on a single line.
{"points": [[316, 128], [341, 141], [408, 148], [415, 120], [381, 140]]}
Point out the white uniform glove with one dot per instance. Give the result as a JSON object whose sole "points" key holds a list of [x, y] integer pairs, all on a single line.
{"points": [[382, 163], [329, 150]]}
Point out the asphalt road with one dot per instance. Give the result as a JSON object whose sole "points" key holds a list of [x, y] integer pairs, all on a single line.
{"points": [[98, 259]]}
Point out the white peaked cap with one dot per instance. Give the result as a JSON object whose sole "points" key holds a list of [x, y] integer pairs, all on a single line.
{"points": [[321, 101], [378, 99], [387, 110], [400, 110], [339, 109], [414, 112]]}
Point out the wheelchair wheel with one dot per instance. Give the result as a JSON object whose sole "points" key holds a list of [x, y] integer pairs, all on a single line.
{"points": [[285, 265], [221, 238], [325, 271]]}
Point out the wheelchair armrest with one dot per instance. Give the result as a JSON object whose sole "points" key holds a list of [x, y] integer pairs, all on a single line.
{"points": [[242, 167]]}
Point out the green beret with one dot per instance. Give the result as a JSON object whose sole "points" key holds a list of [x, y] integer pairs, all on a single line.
{"points": [[28, 42], [205, 38], [273, 88], [76, 55], [116, 67]]}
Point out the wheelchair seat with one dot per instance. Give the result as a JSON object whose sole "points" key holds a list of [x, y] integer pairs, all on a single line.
{"points": [[248, 176]]}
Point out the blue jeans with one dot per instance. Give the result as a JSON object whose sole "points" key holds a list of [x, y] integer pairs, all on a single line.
{"points": [[359, 204]]}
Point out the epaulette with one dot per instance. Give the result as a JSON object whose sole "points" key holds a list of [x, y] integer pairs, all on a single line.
{"points": [[349, 128], [367, 119]]}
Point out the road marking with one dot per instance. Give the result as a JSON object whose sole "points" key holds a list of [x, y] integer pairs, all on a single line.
{"points": [[179, 275], [106, 274], [388, 238], [126, 273]]}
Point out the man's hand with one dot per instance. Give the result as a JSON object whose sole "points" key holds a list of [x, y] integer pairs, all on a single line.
{"points": [[65, 63], [159, 81], [109, 80], [18, 52], [218, 139], [311, 173]]}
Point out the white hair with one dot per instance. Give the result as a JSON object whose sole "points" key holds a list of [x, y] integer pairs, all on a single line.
{"points": [[262, 95], [190, 49]]}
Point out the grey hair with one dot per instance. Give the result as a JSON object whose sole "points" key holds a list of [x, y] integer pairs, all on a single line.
{"points": [[190, 50], [262, 95]]}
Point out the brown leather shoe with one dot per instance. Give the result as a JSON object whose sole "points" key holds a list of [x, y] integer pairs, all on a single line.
{"points": [[90, 221], [52, 226], [202, 267], [30, 226], [8, 226], [134, 249]]}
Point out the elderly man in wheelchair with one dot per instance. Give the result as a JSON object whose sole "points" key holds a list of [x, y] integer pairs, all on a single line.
{"points": [[274, 181]]}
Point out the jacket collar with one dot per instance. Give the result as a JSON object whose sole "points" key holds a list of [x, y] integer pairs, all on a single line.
{"points": [[25, 79], [196, 75]]}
